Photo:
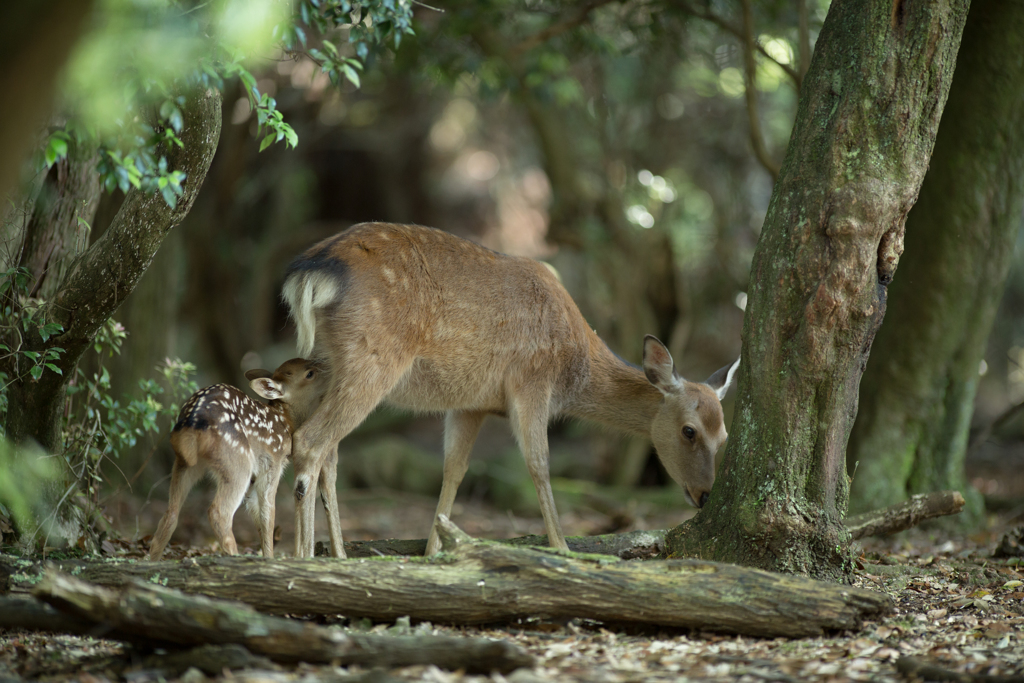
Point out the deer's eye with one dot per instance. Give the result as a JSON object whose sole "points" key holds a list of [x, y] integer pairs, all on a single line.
{"points": [[689, 432], [309, 375]]}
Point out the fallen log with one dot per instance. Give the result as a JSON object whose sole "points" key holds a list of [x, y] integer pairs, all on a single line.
{"points": [[152, 614], [475, 582], [905, 515], [632, 545], [30, 614]]}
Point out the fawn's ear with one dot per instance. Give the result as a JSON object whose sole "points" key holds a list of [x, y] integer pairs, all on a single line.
{"points": [[722, 378], [267, 388], [257, 373], [658, 365]]}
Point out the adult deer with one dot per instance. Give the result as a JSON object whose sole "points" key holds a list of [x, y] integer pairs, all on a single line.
{"points": [[243, 444], [424, 320]]}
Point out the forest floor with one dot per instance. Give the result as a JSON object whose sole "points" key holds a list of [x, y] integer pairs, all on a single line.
{"points": [[956, 608]]}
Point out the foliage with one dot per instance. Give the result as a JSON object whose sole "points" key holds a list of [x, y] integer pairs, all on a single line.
{"points": [[24, 472], [17, 321], [127, 81], [97, 427]]}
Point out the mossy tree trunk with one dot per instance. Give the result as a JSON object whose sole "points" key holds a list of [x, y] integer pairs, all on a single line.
{"points": [[917, 396], [866, 124], [105, 274]]}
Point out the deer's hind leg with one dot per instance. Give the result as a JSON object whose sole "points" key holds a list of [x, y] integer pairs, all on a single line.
{"points": [[460, 432], [183, 478], [232, 483], [261, 501]]}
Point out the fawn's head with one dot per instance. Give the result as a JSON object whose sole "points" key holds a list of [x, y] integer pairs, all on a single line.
{"points": [[689, 427], [299, 384]]}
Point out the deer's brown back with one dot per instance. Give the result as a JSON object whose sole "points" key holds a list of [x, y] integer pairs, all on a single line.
{"points": [[478, 323]]}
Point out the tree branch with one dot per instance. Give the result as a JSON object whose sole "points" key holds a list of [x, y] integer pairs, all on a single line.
{"points": [[804, 37], [721, 23], [750, 93], [567, 24]]}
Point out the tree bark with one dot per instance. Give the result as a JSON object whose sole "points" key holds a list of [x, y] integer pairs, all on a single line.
{"points": [[59, 228], [107, 273], [866, 123], [476, 582], [918, 390], [153, 615]]}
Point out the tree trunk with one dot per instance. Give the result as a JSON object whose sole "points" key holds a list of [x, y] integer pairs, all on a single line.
{"points": [[868, 114], [59, 228], [107, 273], [476, 582], [918, 390]]}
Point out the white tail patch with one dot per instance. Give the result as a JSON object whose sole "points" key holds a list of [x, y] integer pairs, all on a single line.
{"points": [[304, 293]]}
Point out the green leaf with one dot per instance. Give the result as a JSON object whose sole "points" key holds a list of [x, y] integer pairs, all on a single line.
{"points": [[267, 142], [53, 367], [351, 75], [36, 372]]}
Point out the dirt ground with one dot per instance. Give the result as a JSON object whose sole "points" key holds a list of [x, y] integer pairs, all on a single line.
{"points": [[956, 608]]}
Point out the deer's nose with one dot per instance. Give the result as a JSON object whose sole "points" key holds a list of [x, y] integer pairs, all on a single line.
{"points": [[703, 499]]}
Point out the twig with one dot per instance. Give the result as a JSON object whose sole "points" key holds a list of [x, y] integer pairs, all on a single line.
{"points": [[567, 24], [721, 23], [804, 37], [985, 432], [750, 92]]}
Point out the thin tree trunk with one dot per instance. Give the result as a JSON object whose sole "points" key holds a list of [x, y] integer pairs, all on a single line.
{"points": [[917, 395], [107, 273], [35, 41], [869, 111]]}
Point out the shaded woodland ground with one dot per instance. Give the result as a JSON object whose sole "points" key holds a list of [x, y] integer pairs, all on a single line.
{"points": [[956, 607]]}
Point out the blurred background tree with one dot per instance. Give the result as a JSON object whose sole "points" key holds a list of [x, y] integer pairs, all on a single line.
{"points": [[918, 396], [633, 145]]}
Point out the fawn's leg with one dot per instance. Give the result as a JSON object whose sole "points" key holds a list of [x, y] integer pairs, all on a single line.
{"points": [[231, 489], [460, 432], [263, 496], [183, 478]]}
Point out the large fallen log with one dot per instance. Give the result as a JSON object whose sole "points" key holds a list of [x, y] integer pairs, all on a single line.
{"points": [[905, 515], [475, 582], [150, 614]]}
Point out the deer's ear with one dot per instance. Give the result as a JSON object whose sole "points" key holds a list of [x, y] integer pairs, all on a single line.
{"points": [[722, 378], [658, 365], [257, 373], [267, 388]]}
